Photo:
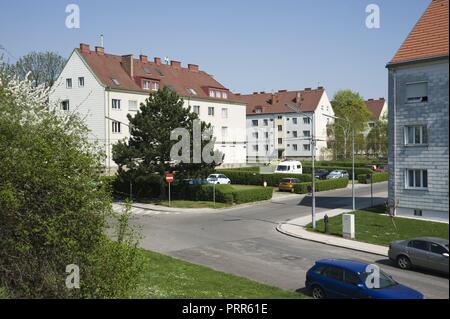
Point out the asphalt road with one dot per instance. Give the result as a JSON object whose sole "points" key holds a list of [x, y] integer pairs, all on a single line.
{"points": [[244, 241]]}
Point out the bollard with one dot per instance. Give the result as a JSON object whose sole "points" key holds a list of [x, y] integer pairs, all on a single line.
{"points": [[325, 221]]}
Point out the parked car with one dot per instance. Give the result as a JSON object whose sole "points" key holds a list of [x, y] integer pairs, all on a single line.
{"points": [[197, 181], [289, 167], [338, 174], [426, 252], [321, 174], [287, 184], [346, 279], [218, 179]]}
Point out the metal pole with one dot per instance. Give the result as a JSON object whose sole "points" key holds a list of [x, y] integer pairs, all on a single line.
{"points": [[214, 194], [313, 152], [353, 171], [371, 190], [131, 190], [169, 196]]}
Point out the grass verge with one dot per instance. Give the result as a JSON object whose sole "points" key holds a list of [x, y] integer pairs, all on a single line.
{"points": [[166, 277], [375, 228]]}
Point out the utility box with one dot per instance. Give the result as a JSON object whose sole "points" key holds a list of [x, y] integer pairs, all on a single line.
{"points": [[348, 226]]}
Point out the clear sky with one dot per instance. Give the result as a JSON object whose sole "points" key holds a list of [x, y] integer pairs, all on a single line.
{"points": [[248, 45]]}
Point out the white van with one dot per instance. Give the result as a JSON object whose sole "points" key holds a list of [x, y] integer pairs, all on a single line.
{"points": [[289, 167]]}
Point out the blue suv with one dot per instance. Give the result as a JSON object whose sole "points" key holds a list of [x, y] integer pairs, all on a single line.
{"points": [[334, 278]]}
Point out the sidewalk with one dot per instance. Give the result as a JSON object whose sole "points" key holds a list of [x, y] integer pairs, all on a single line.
{"points": [[296, 228]]}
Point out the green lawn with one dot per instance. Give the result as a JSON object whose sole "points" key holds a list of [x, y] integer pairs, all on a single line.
{"points": [[372, 227], [166, 277]]}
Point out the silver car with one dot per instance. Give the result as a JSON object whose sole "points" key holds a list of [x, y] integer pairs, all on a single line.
{"points": [[426, 252]]}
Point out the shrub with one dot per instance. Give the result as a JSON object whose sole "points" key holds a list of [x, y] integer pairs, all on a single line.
{"points": [[321, 186], [252, 195], [248, 178], [376, 178]]}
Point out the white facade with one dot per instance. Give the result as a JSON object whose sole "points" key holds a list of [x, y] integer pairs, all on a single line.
{"points": [[288, 135], [95, 104]]}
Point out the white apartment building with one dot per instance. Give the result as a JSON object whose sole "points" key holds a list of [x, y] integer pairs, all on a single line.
{"points": [[275, 130], [104, 88]]}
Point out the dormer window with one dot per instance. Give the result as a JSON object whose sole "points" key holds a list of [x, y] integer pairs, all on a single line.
{"points": [[146, 85], [218, 94], [258, 110], [155, 86]]}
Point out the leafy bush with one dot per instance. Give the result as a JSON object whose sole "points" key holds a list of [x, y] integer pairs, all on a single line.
{"points": [[321, 186], [376, 178], [248, 178], [252, 195], [54, 204]]}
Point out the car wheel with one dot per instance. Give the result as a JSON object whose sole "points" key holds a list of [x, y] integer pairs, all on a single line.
{"points": [[403, 262], [317, 292]]}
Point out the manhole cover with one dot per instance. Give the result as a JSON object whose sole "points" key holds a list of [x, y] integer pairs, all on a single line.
{"points": [[291, 258]]}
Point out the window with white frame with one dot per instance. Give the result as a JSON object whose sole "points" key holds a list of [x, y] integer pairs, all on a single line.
{"points": [[280, 141], [155, 86], [224, 132], [295, 134], [255, 122], [224, 95], [266, 134], [132, 105], [258, 110], [197, 109], [212, 93], [294, 120], [115, 104], [306, 147], [306, 133], [65, 105], [115, 127], [417, 92], [211, 111], [255, 135], [81, 82], [416, 179], [146, 85], [266, 147], [255, 148], [306, 120], [416, 135], [295, 147], [69, 83], [266, 122], [224, 113]]}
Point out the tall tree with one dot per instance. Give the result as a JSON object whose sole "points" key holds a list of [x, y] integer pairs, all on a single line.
{"points": [[41, 67], [352, 114], [377, 139], [146, 156]]}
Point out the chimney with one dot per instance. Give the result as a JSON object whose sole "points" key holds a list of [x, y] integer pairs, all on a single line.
{"points": [[237, 94], [282, 91], [127, 64], [262, 92], [100, 50], [158, 61], [193, 67], [143, 58], [175, 64], [382, 98], [320, 88], [84, 48], [273, 100], [254, 93], [370, 99], [298, 97], [308, 89]]}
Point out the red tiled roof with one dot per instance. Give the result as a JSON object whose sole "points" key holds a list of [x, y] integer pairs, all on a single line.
{"points": [[429, 38], [108, 67], [375, 107], [308, 102]]}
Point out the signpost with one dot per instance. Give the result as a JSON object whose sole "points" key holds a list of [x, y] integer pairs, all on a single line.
{"points": [[370, 177], [169, 180]]}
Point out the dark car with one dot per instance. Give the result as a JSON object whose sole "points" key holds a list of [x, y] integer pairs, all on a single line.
{"points": [[425, 252], [347, 279], [197, 181], [321, 174]]}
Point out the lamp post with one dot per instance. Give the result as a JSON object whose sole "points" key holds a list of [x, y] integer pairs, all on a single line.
{"points": [[313, 155], [353, 157]]}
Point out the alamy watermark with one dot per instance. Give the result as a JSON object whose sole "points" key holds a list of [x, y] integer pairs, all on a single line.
{"points": [[73, 277], [373, 20], [73, 19]]}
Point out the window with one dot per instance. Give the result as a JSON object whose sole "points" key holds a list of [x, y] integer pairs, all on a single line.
{"points": [[306, 120], [155, 86], [295, 134], [416, 135], [197, 109], [266, 147], [81, 82], [224, 113], [255, 148], [416, 179], [132, 105], [334, 273], [280, 141], [351, 278], [280, 117], [418, 212], [294, 147], [115, 104], [438, 249], [371, 125], [280, 128], [266, 134], [224, 132], [191, 91], [69, 83], [218, 94], [115, 127], [65, 105], [418, 244], [258, 110], [306, 133], [224, 95], [417, 92], [255, 122], [212, 93], [266, 122], [294, 120], [211, 111], [116, 82], [255, 135], [146, 85], [306, 147]]}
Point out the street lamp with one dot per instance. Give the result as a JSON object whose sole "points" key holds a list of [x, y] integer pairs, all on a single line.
{"points": [[313, 155], [353, 157]]}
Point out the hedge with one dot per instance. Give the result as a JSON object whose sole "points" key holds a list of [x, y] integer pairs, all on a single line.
{"points": [[249, 178], [376, 178], [224, 193], [321, 186], [361, 164], [358, 170]]}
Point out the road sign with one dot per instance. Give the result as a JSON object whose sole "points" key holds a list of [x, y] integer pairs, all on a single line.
{"points": [[169, 178]]}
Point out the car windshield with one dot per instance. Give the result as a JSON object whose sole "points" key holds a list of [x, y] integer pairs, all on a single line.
{"points": [[282, 168], [385, 280], [286, 180], [212, 177]]}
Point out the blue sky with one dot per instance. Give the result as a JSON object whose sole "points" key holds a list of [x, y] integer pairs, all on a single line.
{"points": [[248, 45]]}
